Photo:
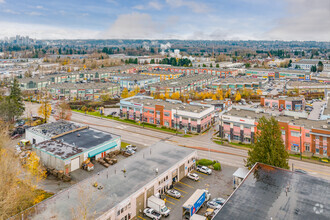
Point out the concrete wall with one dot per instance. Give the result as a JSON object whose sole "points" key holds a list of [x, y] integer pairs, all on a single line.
{"points": [[30, 135], [49, 161]]}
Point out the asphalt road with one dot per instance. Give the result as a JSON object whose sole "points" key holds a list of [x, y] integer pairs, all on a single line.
{"points": [[205, 147]]}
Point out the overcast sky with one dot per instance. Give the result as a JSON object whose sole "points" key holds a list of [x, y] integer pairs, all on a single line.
{"points": [[167, 19]]}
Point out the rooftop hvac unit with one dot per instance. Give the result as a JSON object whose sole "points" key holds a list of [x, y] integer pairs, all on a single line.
{"points": [[325, 126], [296, 117]]}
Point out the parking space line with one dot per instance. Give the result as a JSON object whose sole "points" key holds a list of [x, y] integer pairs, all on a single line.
{"points": [[201, 173], [172, 197], [180, 190], [141, 217], [170, 202], [186, 184]]}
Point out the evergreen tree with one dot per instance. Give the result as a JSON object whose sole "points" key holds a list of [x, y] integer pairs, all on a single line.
{"points": [[268, 147]]}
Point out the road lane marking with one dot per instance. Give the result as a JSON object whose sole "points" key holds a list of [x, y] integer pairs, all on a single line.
{"points": [[141, 217], [186, 184], [180, 190], [312, 170], [172, 197], [170, 202]]}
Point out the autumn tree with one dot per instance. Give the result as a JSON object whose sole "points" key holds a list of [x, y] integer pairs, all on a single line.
{"points": [[162, 96], [228, 93], [45, 109], [124, 93], [214, 97], [167, 95], [63, 111], [269, 146], [219, 94], [238, 96], [175, 95]]}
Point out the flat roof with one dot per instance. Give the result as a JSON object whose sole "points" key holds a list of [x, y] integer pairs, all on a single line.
{"points": [[170, 104], [240, 80], [99, 85], [273, 193], [132, 77], [318, 124], [55, 128], [183, 81], [59, 149], [287, 98], [297, 84], [140, 170]]}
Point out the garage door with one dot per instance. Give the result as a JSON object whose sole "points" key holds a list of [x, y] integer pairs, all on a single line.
{"points": [[75, 164], [140, 204], [181, 172]]}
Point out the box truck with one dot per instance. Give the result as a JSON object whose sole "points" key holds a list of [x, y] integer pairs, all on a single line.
{"points": [[158, 205], [195, 202]]}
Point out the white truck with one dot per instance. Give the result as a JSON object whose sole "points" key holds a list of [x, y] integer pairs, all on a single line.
{"points": [[158, 205]]}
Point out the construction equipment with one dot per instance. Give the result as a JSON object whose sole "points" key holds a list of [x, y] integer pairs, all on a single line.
{"points": [[24, 145], [87, 165]]}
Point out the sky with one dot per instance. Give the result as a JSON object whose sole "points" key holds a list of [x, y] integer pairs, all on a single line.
{"points": [[167, 19]]}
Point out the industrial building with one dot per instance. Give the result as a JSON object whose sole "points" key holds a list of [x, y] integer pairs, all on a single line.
{"points": [[269, 192], [163, 75], [123, 189], [192, 117], [131, 81], [183, 84], [307, 86], [239, 83], [277, 74], [300, 135], [65, 145], [82, 91]]}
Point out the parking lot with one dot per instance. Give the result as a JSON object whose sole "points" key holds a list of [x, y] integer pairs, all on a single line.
{"points": [[219, 184]]}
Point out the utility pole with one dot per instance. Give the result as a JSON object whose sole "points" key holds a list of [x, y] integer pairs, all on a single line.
{"points": [[176, 121], [143, 115]]}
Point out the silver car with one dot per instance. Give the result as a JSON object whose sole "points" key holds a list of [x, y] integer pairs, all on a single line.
{"points": [[173, 193]]}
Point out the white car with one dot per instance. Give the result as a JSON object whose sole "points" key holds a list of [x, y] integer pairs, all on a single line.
{"points": [[204, 169], [213, 205], [152, 214], [173, 193], [220, 201], [193, 176]]}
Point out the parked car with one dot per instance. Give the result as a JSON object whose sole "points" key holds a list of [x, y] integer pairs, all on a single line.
{"points": [[130, 152], [213, 205], [151, 214], [173, 193], [193, 176], [220, 201], [204, 169], [300, 171], [131, 147]]}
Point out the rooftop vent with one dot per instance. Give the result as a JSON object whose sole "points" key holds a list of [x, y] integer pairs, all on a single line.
{"points": [[296, 117], [325, 126]]}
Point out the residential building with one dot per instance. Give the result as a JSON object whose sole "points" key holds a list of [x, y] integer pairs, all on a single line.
{"points": [[299, 134], [184, 84], [192, 117], [82, 91], [65, 145], [121, 195], [269, 192], [284, 102], [306, 64]]}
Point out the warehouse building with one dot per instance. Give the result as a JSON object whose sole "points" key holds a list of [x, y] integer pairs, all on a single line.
{"points": [[82, 91], [183, 84], [239, 83], [131, 81], [269, 192], [162, 75], [277, 74], [192, 117], [307, 87], [121, 195], [65, 145]]}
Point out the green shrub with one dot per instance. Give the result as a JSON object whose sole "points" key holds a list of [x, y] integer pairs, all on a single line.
{"points": [[205, 162], [217, 166]]}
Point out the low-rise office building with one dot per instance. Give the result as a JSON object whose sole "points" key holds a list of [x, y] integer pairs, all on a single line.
{"points": [[192, 117], [299, 134], [284, 102], [123, 195], [82, 91], [219, 105], [131, 81], [65, 145], [183, 84], [277, 74], [163, 75]]}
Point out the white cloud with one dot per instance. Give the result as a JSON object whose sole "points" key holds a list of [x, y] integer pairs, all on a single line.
{"points": [[198, 7], [133, 26], [9, 11], [305, 20], [2, 1], [151, 5], [33, 13], [39, 7], [9, 29]]}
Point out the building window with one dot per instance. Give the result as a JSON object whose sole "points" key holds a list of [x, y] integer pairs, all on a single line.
{"points": [[283, 132], [307, 147], [295, 147], [317, 149], [307, 135], [166, 114], [118, 212], [317, 137], [324, 150], [295, 134]]}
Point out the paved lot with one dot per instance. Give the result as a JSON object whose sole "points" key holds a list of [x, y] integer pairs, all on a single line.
{"points": [[219, 184]]}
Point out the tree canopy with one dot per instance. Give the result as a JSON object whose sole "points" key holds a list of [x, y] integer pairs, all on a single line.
{"points": [[268, 147]]}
